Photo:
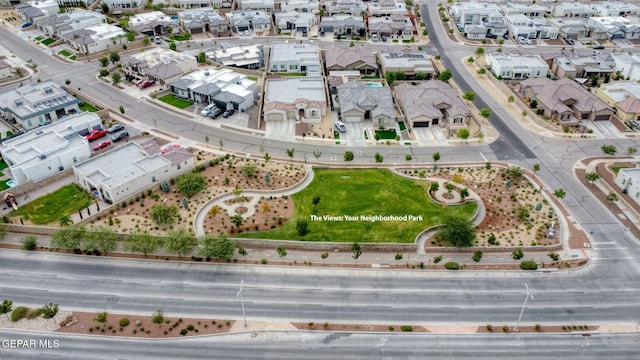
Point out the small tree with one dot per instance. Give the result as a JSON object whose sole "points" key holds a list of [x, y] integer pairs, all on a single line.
{"points": [[49, 310], [291, 152], [115, 78], [592, 176], [173, 46], [477, 256], [101, 317], [163, 214], [517, 254], [560, 193], [435, 157], [456, 230], [445, 76], [464, 193], [609, 150], [536, 168], [463, 134], [104, 238], [267, 157], [469, 95], [237, 220], [114, 57], [379, 158], [485, 112], [632, 150], [348, 156], [357, 251], [434, 186], [324, 256], [191, 183], [104, 61], [480, 51], [68, 237], [29, 242], [612, 196], [398, 257], [282, 252], [249, 170], [202, 57], [218, 247], [6, 306], [302, 227], [514, 173], [179, 241], [143, 242]]}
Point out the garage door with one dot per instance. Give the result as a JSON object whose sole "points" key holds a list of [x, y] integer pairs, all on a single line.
{"points": [[274, 117], [352, 119], [603, 117], [421, 124]]}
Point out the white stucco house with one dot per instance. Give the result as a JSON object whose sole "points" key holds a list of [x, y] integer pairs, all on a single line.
{"points": [[46, 151], [629, 181], [127, 170], [295, 98], [514, 66]]}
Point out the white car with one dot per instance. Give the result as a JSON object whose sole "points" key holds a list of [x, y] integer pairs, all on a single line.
{"points": [[207, 109], [340, 126], [374, 38]]}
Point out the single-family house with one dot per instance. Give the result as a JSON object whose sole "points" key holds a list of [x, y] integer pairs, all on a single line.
{"points": [[358, 102], [386, 8], [303, 6], [201, 20], [59, 24], [249, 20], [408, 62], [346, 59], [616, 8], [159, 64], [432, 103], [583, 67], [94, 39], [223, 87], [531, 10], [392, 26], [565, 101], [343, 24], [628, 179], [566, 9], [152, 23], [123, 4], [295, 98], [466, 13], [573, 29], [264, 5], [288, 57], [129, 169], [189, 4], [516, 67], [42, 103], [291, 21], [350, 7], [623, 96], [35, 10], [626, 65], [531, 28], [47, 150], [243, 56]]}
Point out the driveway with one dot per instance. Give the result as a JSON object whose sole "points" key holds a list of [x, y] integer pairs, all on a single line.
{"points": [[429, 136], [280, 130], [605, 129], [355, 133]]}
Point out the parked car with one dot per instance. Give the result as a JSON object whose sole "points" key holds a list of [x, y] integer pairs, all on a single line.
{"points": [[26, 25], [341, 126], [491, 36], [215, 113], [522, 40], [598, 47], [635, 124], [145, 84], [374, 38], [207, 109], [95, 134], [228, 113], [383, 38], [120, 136], [157, 40], [101, 145], [115, 128]]}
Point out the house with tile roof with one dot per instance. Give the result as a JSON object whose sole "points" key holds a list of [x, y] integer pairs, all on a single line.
{"points": [[59, 24], [251, 20], [565, 101], [581, 67], [201, 20], [343, 24], [94, 39], [152, 23], [358, 102], [159, 64], [432, 103], [407, 61], [624, 96], [347, 59], [295, 98]]}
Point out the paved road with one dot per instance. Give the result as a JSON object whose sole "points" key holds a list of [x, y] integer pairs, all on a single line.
{"points": [[326, 345]]}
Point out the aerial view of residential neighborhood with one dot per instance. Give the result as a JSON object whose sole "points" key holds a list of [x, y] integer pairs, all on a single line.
{"points": [[317, 179]]}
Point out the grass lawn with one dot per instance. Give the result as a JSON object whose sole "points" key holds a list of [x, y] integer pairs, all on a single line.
{"points": [[124, 23], [3, 165], [3, 185], [47, 41], [49, 208], [38, 38], [357, 192], [386, 134], [175, 101], [72, 57], [402, 126], [64, 53], [615, 169], [87, 107], [253, 78]]}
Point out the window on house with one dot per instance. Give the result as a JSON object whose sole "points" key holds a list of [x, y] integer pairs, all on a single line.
{"points": [[381, 121], [178, 166], [293, 67], [313, 113], [457, 120], [153, 179], [564, 117], [75, 159], [282, 66]]}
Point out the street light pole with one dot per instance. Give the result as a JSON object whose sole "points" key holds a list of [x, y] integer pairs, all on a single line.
{"points": [[517, 327], [244, 315]]}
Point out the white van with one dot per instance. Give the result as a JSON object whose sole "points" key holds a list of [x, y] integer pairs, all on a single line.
{"points": [[157, 40]]}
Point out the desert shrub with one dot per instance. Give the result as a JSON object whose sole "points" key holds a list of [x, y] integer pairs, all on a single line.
{"points": [[49, 310], [190, 327], [477, 256], [489, 327], [263, 261], [5, 307], [183, 332], [437, 259], [528, 265], [29, 242], [406, 328], [33, 313], [19, 313], [101, 317], [124, 322], [452, 265]]}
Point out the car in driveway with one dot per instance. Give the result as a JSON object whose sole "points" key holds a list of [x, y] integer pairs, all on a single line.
{"points": [[374, 38], [115, 128], [120, 136], [341, 126], [598, 47], [145, 84], [101, 145], [207, 109], [228, 113], [26, 25], [215, 113], [95, 134]]}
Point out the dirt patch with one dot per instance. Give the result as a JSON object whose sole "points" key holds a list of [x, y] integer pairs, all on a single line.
{"points": [[143, 326], [358, 327]]}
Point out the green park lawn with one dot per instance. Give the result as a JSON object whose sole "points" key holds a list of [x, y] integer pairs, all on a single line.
{"points": [[358, 192], [47, 41], [64, 53], [87, 107], [386, 134], [49, 208], [175, 101]]}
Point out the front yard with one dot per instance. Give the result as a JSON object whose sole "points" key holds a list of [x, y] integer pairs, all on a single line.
{"points": [[49, 208], [171, 99]]}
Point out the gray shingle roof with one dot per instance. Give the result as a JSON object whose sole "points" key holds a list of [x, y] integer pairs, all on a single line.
{"points": [[356, 95]]}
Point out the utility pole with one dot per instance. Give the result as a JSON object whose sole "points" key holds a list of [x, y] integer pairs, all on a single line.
{"points": [[517, 328], [244, 315]]}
